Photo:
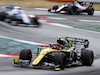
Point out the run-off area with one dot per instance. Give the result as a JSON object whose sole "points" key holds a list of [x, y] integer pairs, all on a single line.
{"points": [[11, 46], [86, 25]]}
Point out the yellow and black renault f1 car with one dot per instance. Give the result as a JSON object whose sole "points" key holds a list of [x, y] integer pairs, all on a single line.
{"points": [[64, 53]]}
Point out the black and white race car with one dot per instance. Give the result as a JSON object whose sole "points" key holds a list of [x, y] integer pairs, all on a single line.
{"points": [[74, 8], [15, 15]]}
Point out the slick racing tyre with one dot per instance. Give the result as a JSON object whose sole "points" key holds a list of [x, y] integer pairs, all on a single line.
{"points": [[36, 22], [35, 19], [60, 58], [55, 7], [90, 10], [49, 10], [26, 54], [70, 10], [87, 57], [2, 16]]}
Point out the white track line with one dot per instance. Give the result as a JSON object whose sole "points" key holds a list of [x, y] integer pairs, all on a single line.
{"points": [[2, 55], [23, 41], [55, 24], [67, 26], [70, 19]]}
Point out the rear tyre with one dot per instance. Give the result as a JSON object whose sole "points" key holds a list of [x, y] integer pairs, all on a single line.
{"points": [[90, 10], [2, 16], [87, 57], [26, 54], [60, 58], [70, 10], [55, 7]]}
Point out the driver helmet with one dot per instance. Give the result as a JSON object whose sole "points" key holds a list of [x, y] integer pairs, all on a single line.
{"points": [[62, 41], [68, 3]]}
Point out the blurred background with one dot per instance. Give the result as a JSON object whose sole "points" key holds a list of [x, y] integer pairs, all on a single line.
{"points": [[44, 3]]}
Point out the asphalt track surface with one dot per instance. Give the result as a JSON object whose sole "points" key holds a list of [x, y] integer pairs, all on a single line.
{"points": [[48, 34], [84, 16]]}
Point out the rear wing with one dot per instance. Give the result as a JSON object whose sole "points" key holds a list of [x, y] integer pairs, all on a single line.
{"points": [[78, 41]]}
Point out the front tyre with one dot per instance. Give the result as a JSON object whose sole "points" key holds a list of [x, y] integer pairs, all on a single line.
{"points": [[87, 57], [60, 58], [36, 22], [26, 54], [90, 10], [49, 10]]}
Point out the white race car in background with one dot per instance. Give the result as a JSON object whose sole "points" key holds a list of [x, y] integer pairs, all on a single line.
{"points": [[74, 8], [15, 16]]}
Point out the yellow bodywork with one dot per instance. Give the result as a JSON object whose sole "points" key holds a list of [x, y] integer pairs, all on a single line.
{"points": [[31, 16], [16, 60], [57, 69], [48, 50]]}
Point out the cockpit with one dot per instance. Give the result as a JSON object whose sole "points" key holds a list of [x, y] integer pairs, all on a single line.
{"points": [[62, 43]]}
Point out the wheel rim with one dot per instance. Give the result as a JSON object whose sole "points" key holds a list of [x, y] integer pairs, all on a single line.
{"points": [[92, 11], [29, 55], [91, 58], [63, 62]]}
